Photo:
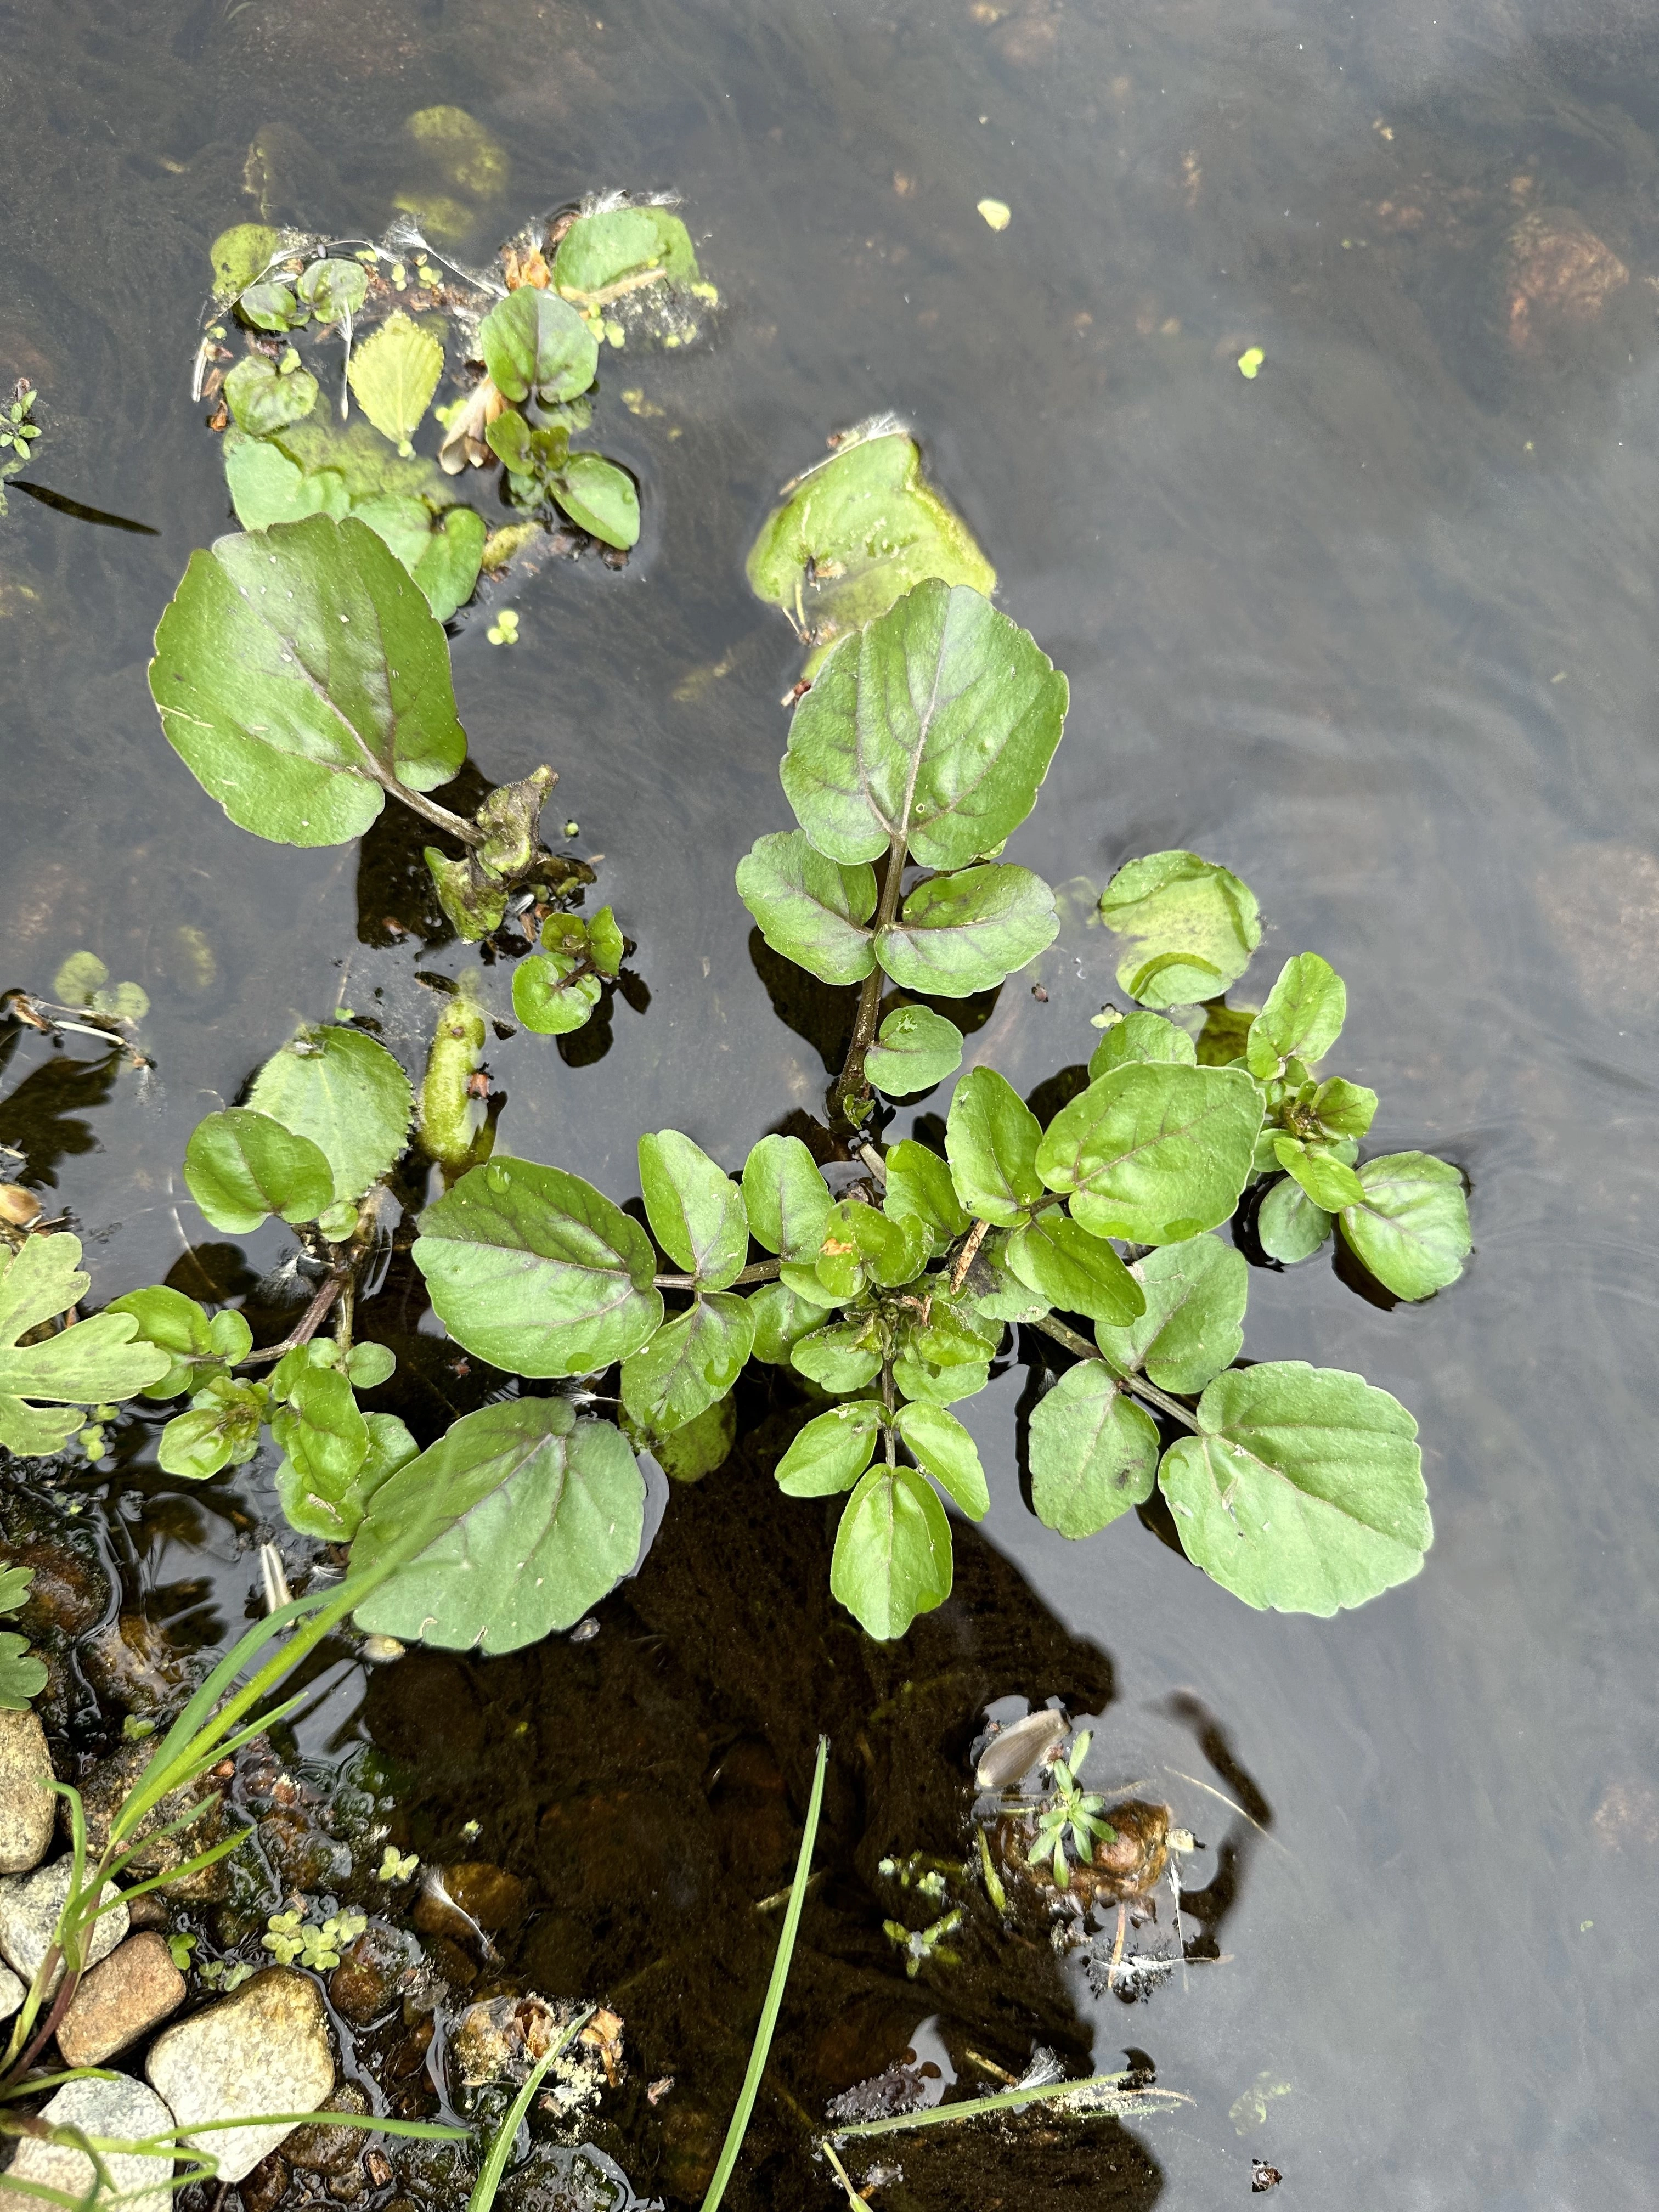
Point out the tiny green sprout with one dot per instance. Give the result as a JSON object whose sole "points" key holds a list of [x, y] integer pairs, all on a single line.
{"points": [[504, 630], [396, 1866], [180, 1944], [134, 1730], [920, 1944], [227, 1974], [399, 275], [1250, 361], [573, 829], [92, 1440], [1073, 1808], [282, 1938], [472, 1831]]}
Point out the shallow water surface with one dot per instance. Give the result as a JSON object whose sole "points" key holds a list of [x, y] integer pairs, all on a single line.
{"points": [[1375, 628]]}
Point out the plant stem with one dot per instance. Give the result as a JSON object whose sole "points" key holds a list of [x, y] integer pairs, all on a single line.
{"points": [[1136, 1384], [863, 1026], [762, 1271], [974, 1239], [429, 808], [305, 1327]]}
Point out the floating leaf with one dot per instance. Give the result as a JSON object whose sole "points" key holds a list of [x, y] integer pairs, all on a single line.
{"points": [[1142, 1036], [537, 1272], [810, 909], [1289, 1226], [690, 1362], [855, 533], [603, 250], [347, 1094], [1302, 1490], [965, 932], [262, 401], [550, 1511], [785, 1197], [1154, 1153], [936, 725], [394, 375], [941, 1447], [1413, 1230], [1193, 1323], [1302, 1020], [272, 306], [892, 1555], [694, 1209], [297, 671], [243, 1166], [831, 1453], [554, 994], [240, 256], [991, 1139], [535, 344], [1192, 927], [1093, 1452], [1072, 1269], [600, 498], [91, 1362], [914, 1048], [334, 290]]}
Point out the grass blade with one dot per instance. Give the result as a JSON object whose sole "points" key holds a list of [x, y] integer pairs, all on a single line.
{"points": [[774, 2005], [1105, 2092], [489, 2180]]}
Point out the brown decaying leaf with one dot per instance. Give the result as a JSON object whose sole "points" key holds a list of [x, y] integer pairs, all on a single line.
{"points": [[464, 445]]}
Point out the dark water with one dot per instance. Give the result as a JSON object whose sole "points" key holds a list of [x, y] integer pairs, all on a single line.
{"points": [[1377, 629]]}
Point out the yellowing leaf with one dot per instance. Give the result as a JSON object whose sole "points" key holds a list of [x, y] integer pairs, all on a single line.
{"points": [[394, 376]]}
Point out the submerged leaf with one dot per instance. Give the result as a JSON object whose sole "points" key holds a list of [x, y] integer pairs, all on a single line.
{"points": [[1192, 927], [296, 670], [241, 255], [394, 375]]}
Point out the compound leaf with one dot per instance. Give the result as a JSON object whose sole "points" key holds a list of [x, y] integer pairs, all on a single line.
{"points": [[785, 1197], [91, 1362], [600, 498], [1142, 1036]]}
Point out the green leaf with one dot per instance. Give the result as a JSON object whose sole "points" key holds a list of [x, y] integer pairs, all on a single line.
{"points": [[701, 1446], [782, 1318], [320, 1429], [297, 666], [831, 1453], [1142, 1036], [690, 1362], [599, 498], [696, 1211], [1193, 1323], [962, 933], [179, 1326], [1289, 1226], [954, 1331], [535, 343], [15, 1587], [1304, 1489], [853, 535], [240, 256], [369, 1366], [221, 1429], [537, 1272], [243, 1166], [1302, 1020], [937, 724], [919, 1185], [550, 1515], [1078, 1272], [22, 1677], [272, 306], [810, 909], [1154, 1153], [267, 486], [91, 1362], [1343, 1109], [941, 1447], [394, 375], [991, 1139], [607, 947], [552, 996], [1412, 1228], [914, 1048], [1192, 927], [262, 401], [447, 566], [939, 1386], [600, 250], [318, 1511], [843, 1355], [1327, 1182], [334, 290], [346, 1093], [1093, 1452], [892, 1555], [785, 1197]]}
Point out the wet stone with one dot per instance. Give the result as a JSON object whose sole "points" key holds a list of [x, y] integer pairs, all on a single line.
{"points": [[476, 1892], [373, 1973], [27, 1804], [12, 1992], [118, 2107], [326, 2149], [134, 1990], [265, 2050], [264, 2190], [134, 1663], [69, 1593], [106, 1789], [29, 1906]]}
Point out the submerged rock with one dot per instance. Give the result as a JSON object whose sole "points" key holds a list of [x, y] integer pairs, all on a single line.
{"points": [[26, 1800], [1560, 275], [107, 1789], [12, 1992], [29, 1906], [134, 1990], [118, 2107], [265, 2050]]}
